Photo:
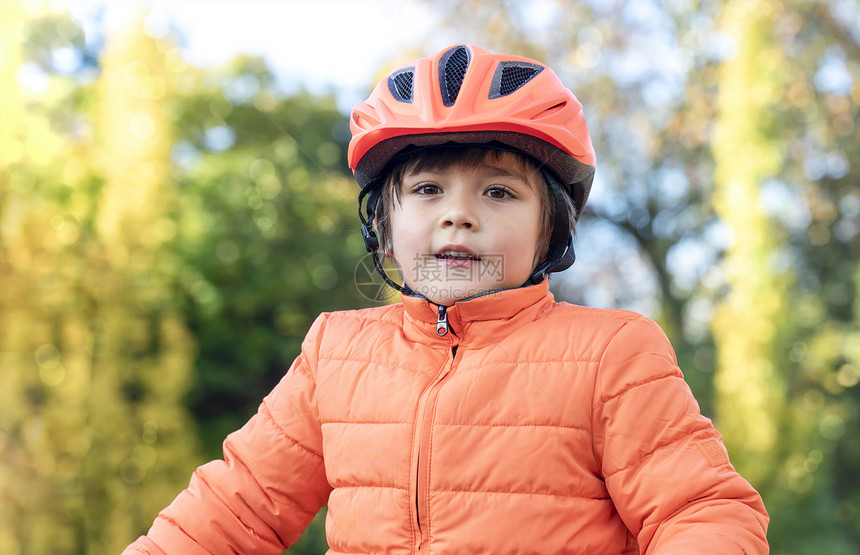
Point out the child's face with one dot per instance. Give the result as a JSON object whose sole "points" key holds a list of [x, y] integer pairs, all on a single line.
{"points": [[461, 231]]}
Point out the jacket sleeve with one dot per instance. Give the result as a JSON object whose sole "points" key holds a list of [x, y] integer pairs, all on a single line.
{"points": [[270, 484], [664, 464]]}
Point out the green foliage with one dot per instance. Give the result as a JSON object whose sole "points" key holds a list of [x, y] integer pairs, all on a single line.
{"points": [[266, 234], [750, 396], [96, 360], [167, 239], [167, 236]]}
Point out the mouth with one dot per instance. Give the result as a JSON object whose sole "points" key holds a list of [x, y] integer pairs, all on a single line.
{"points": [[456, 253]]}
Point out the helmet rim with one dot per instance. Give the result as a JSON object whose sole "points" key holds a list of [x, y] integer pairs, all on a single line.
{"points": [[575, 176]]}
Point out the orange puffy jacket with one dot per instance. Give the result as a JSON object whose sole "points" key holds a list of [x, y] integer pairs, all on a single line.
{"points": [[534, 427]]}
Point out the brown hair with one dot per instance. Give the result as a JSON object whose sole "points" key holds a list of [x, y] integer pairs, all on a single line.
{"points": [[437, 158]]}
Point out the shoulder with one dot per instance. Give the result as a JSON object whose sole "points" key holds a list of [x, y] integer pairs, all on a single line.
{"points": [[391, 314], [629, 349], [340, 333], [604, 328], [607, 316], [345, 326]]}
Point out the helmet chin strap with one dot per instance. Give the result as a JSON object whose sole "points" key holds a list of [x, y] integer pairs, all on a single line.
{"points": [[371, 191], [371, 241], [560, 254], [548, 266]]}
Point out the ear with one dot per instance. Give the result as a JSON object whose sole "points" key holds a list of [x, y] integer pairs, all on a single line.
{"points": [[387, 249]]}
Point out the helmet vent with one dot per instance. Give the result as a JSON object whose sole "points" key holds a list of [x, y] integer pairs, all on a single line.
{"points": [[452, 70], [400, 84], [510, 76]]}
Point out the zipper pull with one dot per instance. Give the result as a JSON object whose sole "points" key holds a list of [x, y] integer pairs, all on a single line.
{"points": [[442, 321]]}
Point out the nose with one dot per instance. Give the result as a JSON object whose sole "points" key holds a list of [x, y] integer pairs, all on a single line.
{"points": [[459, 212]]}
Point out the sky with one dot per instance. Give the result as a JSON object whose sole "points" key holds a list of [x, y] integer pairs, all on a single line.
{"points": [[321, 44]]}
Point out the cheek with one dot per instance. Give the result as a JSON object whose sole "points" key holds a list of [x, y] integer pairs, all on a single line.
{"points": [[406, 236], [529, 239], [519, 246], [526, 231]]}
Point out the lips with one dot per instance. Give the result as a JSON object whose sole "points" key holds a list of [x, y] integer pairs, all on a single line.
{"points": [[456, 253]]}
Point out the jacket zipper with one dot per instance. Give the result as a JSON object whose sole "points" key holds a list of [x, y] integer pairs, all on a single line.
{"points": [[425, 417], [442, 321]]}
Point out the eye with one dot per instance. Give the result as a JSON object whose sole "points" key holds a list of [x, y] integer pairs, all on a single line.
{"points": [[427, 189], [499, 193]]}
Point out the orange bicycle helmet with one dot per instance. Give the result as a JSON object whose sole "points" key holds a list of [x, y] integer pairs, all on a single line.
{"points": [[467, 95]]}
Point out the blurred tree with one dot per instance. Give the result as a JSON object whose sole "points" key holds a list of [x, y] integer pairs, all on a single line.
{"points": [[158, 224], [815, 204], [148, 352], [750, 389], [97, 357], [267, 232], [267, 237]]}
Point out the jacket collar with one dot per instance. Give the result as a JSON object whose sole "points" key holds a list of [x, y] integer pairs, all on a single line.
{"points": [[479, 321]]}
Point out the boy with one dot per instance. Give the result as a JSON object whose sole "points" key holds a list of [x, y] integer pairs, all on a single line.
{"points": [[478, 415]]}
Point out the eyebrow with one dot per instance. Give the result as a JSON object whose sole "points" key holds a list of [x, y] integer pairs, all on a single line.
{"points": [[492, 171]]}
